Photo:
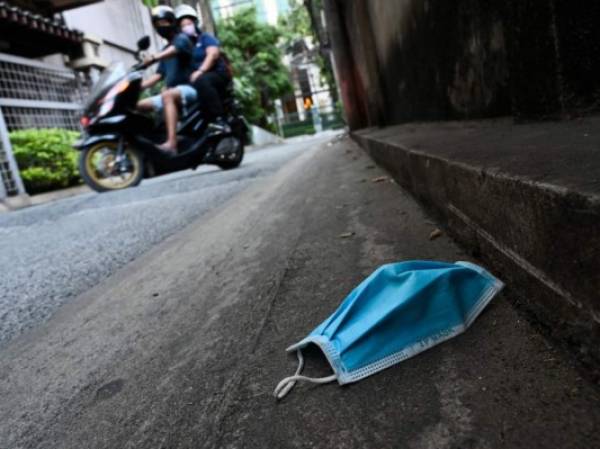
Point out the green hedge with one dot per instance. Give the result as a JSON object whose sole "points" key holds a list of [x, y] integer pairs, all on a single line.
{"points": [[46, 158], [332, 121], [298, 128]]}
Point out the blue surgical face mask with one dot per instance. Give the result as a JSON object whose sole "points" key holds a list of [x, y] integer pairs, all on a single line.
{"points": [[400, 310]]}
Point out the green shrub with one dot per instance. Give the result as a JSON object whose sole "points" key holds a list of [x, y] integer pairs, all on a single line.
{"points": [[46, 158], [298, 128]]}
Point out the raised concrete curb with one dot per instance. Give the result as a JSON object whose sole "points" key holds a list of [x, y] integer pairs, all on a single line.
{"points": [[262, 137], [48, 197], [23, 201], [14, 202], [543, 239]]}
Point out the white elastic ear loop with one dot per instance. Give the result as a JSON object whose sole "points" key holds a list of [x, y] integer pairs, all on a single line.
{"points": [[284, 387]]}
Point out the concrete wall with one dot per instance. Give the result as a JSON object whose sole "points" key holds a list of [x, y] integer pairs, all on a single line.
{"points": [[261, 137], [554, 54], [119, 23], [440, 59]]}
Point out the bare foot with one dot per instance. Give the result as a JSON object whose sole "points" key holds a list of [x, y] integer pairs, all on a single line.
{"points": [[168, 147]]}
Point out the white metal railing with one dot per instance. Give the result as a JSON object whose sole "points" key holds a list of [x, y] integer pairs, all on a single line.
{"points": [[9, 172], [34, 94]]}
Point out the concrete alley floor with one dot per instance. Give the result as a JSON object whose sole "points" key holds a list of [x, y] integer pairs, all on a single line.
{"points": [[51, 253], [182, 347]]}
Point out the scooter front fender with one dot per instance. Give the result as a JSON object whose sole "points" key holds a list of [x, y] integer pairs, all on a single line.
{"points": [[89, 141]]}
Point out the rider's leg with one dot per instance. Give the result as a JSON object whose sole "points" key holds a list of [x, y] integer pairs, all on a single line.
{"points": [[171, 99], [150, 104], [183, 95], [210, 86]]}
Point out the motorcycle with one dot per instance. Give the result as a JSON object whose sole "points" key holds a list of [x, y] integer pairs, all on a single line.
{"points": [[119, 146]]}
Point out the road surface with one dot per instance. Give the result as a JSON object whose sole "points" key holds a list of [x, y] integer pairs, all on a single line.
{"points": [[49, 254], [183, 346]]}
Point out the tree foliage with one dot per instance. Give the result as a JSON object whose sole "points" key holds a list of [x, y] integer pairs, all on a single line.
{"points": [[257, 60], [296, 24], [299, 24]]}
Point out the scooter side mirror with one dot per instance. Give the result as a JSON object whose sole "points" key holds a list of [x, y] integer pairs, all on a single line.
{"points": [[143, 43]]}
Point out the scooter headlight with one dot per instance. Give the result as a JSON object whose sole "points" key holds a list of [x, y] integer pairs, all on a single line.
{"points": [[121, 86], [106, 107], [108, 101]]}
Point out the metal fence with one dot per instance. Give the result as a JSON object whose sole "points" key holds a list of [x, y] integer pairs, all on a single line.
{"points": [[34, 94], [315, 120]]}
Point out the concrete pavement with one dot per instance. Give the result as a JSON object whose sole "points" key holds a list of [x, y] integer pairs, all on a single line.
{"points": [[183, 347], [51, 253]]}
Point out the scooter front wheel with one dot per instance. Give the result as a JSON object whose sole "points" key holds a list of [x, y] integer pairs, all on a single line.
{"points": [[103, 170]]}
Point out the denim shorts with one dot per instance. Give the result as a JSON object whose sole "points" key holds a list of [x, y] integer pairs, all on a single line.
{"points": [[188, 97]]}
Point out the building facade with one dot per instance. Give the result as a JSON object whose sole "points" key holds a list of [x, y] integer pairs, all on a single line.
{"points": [[267, 11], [118, 24]]}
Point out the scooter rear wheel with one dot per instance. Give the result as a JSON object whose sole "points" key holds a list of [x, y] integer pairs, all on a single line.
{"points": [[233, 160], [101, 171]]}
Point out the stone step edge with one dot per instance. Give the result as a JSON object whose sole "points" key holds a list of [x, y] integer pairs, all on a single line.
{"points": [[561, 314]]}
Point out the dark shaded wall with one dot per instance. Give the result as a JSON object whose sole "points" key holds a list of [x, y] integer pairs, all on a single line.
{"points": [[441, 59], [554, 55], [467, 59]]}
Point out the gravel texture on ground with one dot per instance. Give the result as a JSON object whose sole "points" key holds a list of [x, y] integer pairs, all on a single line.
{"points": [[183, 347], [53, 252]]}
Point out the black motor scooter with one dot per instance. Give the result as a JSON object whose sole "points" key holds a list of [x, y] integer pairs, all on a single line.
{"points": [[119, 146]]}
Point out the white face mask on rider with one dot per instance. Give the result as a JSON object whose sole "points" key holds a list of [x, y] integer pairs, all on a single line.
{"points": [[190, 30]]}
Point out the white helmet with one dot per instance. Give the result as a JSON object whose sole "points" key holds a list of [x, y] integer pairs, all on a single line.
{"points": [[186, 11]]}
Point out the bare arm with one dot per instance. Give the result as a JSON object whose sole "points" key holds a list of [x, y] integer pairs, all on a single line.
{"points": [[212, 54], [166, 53], [155, 78]]}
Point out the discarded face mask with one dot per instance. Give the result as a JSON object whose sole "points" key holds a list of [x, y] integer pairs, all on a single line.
{"points": [[400, 310]]}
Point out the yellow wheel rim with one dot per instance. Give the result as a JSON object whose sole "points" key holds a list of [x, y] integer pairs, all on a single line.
{"points": [[100, 162]]}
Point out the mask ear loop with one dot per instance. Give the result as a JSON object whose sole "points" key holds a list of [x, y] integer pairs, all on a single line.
{"points": [[284, 387]]}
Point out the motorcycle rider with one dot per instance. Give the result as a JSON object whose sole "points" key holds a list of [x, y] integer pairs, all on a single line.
{"points": [[175, 67], [211, 75]]}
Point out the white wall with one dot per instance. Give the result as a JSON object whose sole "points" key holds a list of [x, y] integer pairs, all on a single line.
{"points": [[261, 137], [120, 22], [272, 11], [268, 10]]}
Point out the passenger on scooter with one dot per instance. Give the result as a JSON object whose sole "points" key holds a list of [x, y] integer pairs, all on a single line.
{"points": [[175, 67], [211, 75]]}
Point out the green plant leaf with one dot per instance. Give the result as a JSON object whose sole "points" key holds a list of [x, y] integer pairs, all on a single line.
{"points": [[254, 51], [46, 158]]}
